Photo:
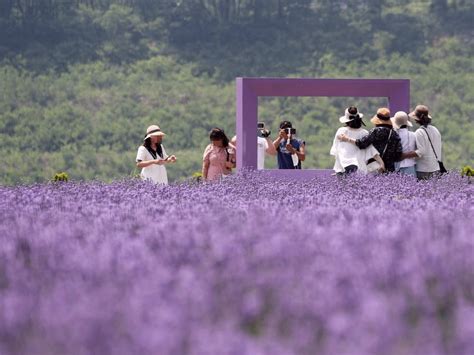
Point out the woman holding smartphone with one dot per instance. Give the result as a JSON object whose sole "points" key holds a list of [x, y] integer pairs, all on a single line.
{"points": [[152, 157], [219, 156]]}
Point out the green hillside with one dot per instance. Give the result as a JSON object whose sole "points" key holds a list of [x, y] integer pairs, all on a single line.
{"points": [[79, 83]]}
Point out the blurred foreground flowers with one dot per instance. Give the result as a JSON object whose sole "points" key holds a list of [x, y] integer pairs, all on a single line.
{"points": [[365, 265]]}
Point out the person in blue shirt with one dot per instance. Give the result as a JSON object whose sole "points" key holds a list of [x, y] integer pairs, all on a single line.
{"points": [[290, 149]]}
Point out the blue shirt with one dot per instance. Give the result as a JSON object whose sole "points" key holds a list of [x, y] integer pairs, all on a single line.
{"points": [[284, 156]]}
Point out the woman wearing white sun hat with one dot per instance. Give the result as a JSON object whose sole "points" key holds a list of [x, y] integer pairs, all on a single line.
{"points": [[350, 158], [152, 157]]}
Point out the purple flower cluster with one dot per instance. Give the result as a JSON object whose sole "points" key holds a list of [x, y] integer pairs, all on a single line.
{"points": [[362, 265]]}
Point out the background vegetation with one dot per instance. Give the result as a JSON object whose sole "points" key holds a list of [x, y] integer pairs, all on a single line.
{"points": [[81, 80]]}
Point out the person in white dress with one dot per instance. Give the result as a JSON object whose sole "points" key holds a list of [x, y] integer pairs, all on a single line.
{"points": [[348, 157], [152, 157]]}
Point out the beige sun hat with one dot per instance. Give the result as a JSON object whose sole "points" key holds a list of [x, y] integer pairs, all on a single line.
{"points": [[153, 130], [382, 117], [400, 119]]}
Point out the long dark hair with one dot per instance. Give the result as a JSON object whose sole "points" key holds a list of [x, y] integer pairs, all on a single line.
{"points": [[356, 121], [217, 134], [159, 149]]}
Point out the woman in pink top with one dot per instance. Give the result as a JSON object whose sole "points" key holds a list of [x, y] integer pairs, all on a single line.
{"points": [[219, 156]]}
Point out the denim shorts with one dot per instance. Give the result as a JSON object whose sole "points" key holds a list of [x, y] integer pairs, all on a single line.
{"points": [[410, 170]]}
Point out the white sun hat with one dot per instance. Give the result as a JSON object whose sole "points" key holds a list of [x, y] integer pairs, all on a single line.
{"points": [[349, 117], [400, 119], [153, 130]]}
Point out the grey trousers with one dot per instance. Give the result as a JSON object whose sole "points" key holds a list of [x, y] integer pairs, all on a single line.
{"points": [[421, 175]]}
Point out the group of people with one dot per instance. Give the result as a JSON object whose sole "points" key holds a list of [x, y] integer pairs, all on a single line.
{"points": [[388, 147]]}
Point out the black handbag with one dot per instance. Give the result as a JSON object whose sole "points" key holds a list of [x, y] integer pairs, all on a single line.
{"points": [[442, 169], [372, 164]]}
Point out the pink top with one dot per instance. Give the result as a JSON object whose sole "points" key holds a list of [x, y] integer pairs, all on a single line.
{"points": [[216, 157]]}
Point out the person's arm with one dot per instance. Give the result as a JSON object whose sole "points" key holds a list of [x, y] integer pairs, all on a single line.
{"points": [[168, 158], [379, 160], [277, 141], [362, 143], [142, 160], [205, 169], [231, 163], [271, 150], [206, 162], [409, 155], [145, 163], [301, 153], [365, 141], [231, 150]]}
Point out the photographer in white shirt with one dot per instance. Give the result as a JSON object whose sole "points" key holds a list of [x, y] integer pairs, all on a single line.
{"points": [[264, 145]]}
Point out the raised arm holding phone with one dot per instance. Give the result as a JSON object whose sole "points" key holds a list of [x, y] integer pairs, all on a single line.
{"points": [[290, 149], [151, 157]]}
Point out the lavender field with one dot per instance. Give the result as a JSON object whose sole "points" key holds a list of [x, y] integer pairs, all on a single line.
{"points": [[365, 265]]}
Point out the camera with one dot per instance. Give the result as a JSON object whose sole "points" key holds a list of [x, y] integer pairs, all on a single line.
{"points": [[262, 132], [291, 131]]}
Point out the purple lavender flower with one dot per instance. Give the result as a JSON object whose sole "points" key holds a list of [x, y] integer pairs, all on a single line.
{"points": [[364, 265]]}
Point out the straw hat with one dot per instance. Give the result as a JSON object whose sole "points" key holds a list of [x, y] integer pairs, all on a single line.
{"points": [[153, 130], [349, 117], [400, 119], [382, 117]]}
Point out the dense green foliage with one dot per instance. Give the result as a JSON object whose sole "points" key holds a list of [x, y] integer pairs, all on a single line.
{"points": [[80, 81]]}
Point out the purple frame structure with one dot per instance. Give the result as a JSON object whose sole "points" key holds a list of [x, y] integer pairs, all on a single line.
{"points": [[248, 91]]}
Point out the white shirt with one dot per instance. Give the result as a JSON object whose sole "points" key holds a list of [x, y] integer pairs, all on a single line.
{"points": [[409, 145], [262, 146], [349, 154], [427, 161], [154, 173]]}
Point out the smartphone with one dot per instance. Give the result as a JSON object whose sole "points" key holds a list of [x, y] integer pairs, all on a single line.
{"points": [[260, 125]]}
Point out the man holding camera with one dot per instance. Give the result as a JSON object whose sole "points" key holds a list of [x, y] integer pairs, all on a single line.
{"points": [[290, 150]]}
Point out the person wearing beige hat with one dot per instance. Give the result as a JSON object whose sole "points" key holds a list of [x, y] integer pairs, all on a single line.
{"points": [[401, 123], [152, 157], [382, 137], [428, 151]]}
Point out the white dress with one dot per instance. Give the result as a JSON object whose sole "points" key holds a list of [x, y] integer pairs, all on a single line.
{"points": [[154, 173], [349, 154]]}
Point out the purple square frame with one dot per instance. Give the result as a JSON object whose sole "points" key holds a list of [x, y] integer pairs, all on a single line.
{"points": [[249, 89]]}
